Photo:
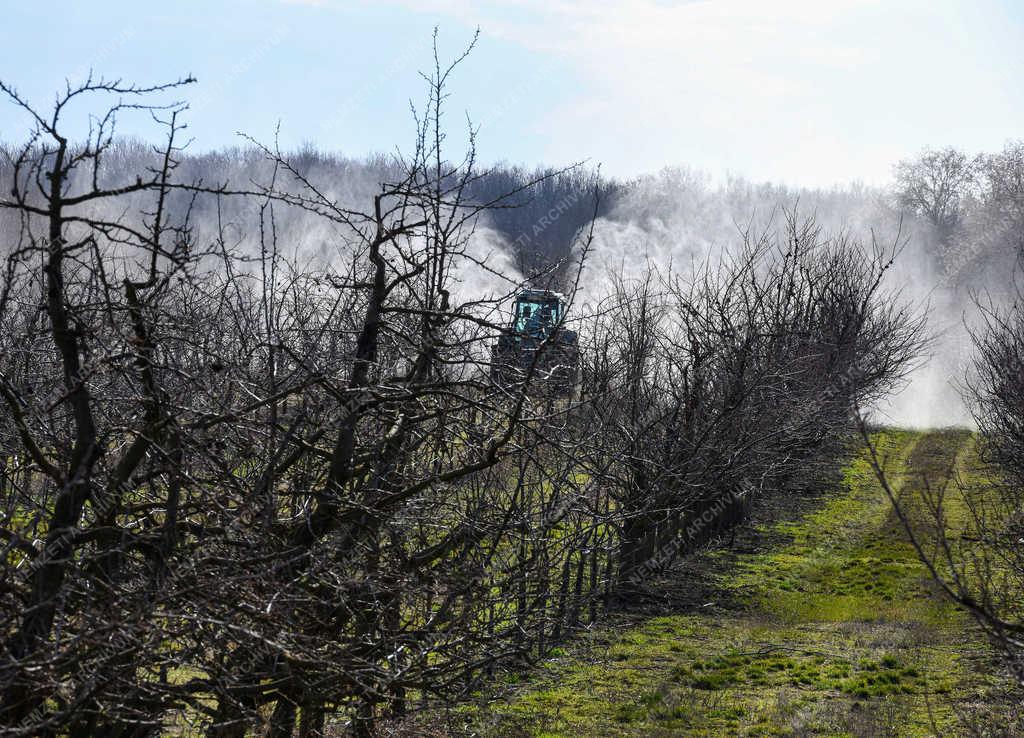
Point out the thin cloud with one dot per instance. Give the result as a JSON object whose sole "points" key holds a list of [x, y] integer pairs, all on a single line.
{"points": [[739, 84]]}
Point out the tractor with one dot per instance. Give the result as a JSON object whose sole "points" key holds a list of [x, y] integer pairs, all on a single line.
{"points": [[535, 338]]}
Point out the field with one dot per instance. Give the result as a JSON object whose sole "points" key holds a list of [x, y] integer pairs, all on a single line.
{"points": [[824, 624], [469, 371]]}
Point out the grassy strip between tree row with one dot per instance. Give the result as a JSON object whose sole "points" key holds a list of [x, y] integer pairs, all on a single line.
{"points": [[834, 630]]}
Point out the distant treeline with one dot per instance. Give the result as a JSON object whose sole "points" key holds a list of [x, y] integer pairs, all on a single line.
{"points": [[963, 215]]}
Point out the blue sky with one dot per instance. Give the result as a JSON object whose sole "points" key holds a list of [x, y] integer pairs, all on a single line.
{"points": [[792, 90]]}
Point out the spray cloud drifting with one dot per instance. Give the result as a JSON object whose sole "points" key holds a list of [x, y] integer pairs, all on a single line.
{"points": [[680, 218]]}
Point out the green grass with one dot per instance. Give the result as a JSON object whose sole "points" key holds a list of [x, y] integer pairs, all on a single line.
{"points": [[832, 631]]}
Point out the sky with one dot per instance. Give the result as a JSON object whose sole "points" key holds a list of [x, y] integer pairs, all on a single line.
{"points": [[803, 92]]}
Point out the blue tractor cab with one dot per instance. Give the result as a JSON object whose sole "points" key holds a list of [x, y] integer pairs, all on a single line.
{"points": [[536, 338]]}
